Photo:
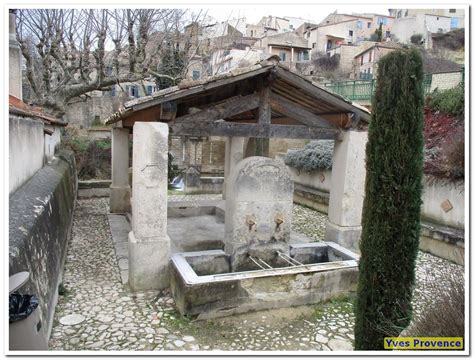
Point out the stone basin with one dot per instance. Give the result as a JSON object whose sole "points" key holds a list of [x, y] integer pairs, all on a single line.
{"points": [[203, 285]]}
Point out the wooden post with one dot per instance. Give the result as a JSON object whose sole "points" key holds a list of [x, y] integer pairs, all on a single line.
{"points": [[264, 119]]}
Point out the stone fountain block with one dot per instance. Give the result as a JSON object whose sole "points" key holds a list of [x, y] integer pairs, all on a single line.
{"points": [[202, 282]]}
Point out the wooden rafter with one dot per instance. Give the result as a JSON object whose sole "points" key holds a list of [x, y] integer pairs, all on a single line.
{"points": [[223, 128], [289, 109], [233, 106]]}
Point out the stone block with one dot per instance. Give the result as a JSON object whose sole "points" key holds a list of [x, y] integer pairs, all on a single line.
{"points": [[119, 199], [148, 263], [346, 236]]}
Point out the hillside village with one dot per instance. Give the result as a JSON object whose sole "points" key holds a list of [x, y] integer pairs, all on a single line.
{"points": [[184, 183], [341, 47]]}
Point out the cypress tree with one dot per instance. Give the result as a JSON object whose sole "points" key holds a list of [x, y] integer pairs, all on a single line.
{"points": [[391, 211]]}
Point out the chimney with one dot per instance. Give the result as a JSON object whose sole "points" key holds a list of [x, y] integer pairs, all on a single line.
{"points": [[15, 73]]}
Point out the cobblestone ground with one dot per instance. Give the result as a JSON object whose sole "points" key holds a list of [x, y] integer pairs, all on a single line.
{"points": [[95, 313]]}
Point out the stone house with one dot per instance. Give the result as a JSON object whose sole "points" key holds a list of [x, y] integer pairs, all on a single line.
{"points": [[268, 25], [425, 22], [346, 53], [290, 48], [337, 29], [365, 62]]}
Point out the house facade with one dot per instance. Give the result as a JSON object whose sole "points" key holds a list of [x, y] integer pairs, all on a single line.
{"points": [[425, 22], [289, 47], [366, 61]]}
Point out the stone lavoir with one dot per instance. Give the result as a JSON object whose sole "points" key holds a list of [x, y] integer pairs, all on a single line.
{"points": [[262, 266]]}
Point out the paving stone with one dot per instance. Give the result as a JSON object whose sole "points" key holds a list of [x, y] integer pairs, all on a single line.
{"points": [[117, 319], [188, 338], [72, 319], [340, 345]]}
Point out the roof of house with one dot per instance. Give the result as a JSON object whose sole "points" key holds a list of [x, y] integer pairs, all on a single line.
{"points": [[288, 39], [384, 45], [238, 82], [18, 107]]}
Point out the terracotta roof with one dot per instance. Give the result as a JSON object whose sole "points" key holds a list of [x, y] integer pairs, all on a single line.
{"points": [[18, 107]]}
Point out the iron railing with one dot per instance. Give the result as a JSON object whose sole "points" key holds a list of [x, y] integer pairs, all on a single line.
{"points": [[363, 90]]}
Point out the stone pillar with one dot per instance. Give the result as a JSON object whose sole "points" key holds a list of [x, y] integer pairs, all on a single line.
{"points": [[148, 242], [14, 70], [347, 190], [120, 188], [234, 152]]}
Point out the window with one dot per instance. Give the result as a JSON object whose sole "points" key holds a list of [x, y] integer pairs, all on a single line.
{"points": [[387, 34], [359, 24], [196, 74], [149, 89], [362, 60], [282, 55], [370, 56], [399, 14], [381, 20], [251, 33], [369, 24], [452, 11], [406, 13], [226, 52], [314, 45], [291, 27], [329, 45], [454, 23], [134, 91], [440, 30], [351, 33], [305, 55]]}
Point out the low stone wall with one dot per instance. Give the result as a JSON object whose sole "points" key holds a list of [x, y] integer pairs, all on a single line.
{"points": [[94, 188], [39, 224], [442, 211]]}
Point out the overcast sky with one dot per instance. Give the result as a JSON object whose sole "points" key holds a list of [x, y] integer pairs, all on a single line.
{"points": [[311, 12]]}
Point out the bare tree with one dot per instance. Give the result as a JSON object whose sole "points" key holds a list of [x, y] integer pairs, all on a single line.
{"points": [[71, 52]]}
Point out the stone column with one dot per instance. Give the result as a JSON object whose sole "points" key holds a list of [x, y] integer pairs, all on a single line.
{"points": [[234, 152], [14, 70], [148, 242], [120, 188], [347, 190]]}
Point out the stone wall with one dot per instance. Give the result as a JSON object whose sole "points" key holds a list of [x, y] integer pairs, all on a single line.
{"points": [[442, 210], [39, 224], [444, 81], [93, 110], [26, 154]]}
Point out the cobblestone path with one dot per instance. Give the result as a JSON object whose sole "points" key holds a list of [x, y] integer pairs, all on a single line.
{"points": [[106, 317]]}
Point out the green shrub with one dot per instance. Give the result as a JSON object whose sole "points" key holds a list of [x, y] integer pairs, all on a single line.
{"points": [[317, 155], [391, 211], [415, 39], [449, 101], [93, 157]]}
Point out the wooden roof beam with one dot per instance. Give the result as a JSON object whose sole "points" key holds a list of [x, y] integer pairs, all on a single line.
{"points": [[223, 110], [286, 107], [253, 130]]}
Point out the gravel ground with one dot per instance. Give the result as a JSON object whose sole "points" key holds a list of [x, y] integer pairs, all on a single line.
{"points": [[95, 313]]}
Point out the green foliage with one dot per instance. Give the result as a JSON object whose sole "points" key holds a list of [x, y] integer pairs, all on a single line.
{"points": [[317, 155], [415, 39], [172, 63], [450, 101], [379, 34], [93, 157], [391, 211]]}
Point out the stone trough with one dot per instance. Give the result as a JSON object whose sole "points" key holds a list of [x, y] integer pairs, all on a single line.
{"points": [[261, 266], [202, 282]]}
